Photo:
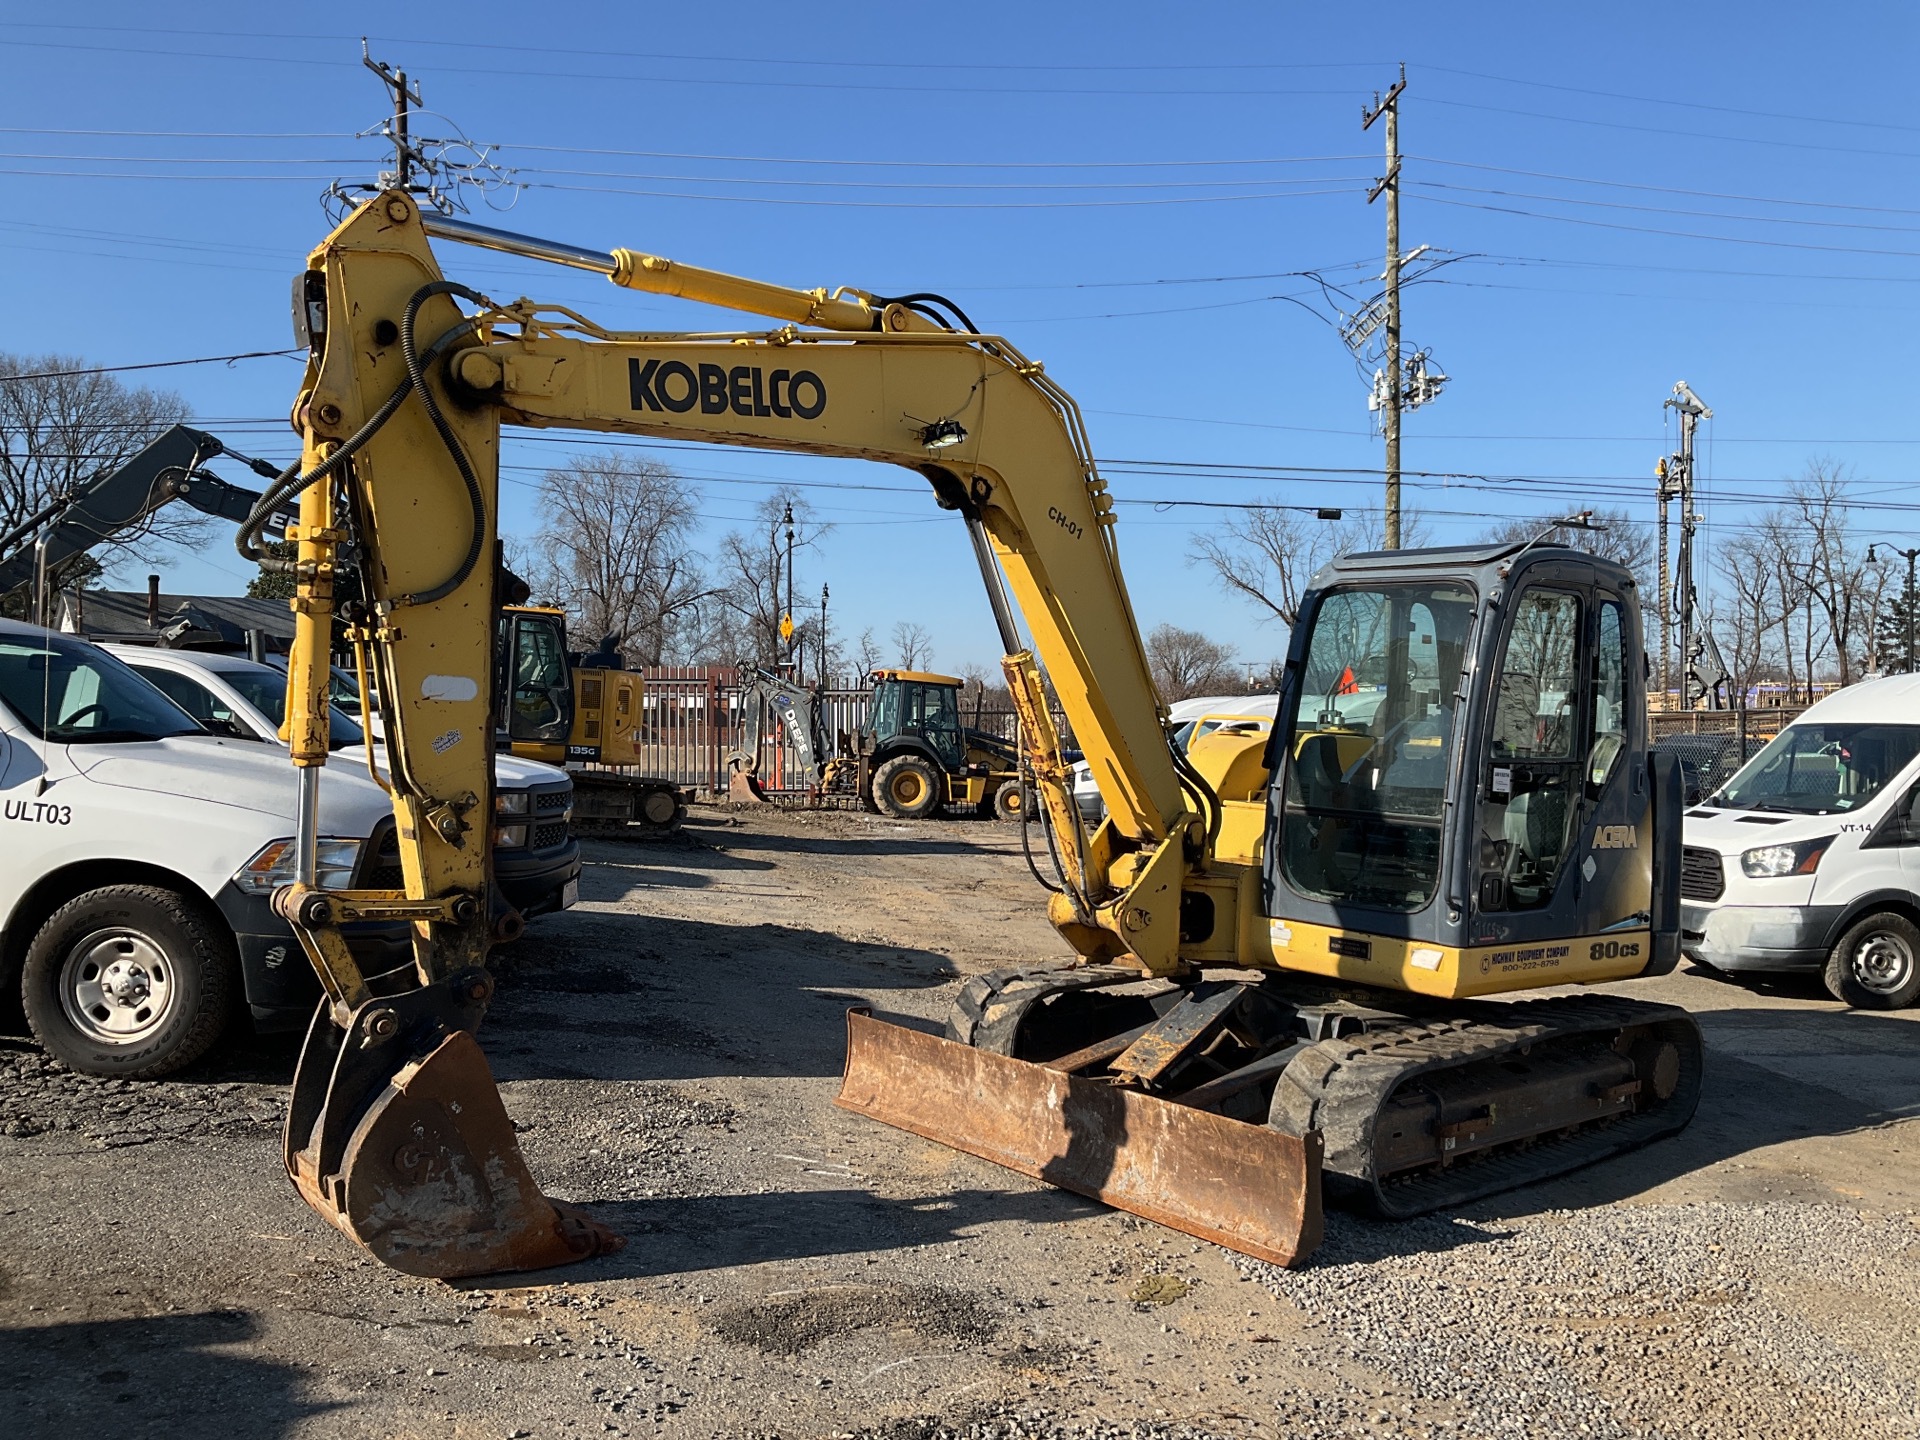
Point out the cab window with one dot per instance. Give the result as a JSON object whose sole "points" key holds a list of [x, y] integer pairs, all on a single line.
{"points": [[1535, 770], [1370, 741]]}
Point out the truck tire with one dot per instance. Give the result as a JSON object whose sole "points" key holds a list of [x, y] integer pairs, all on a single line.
{"points": [[907, 787], [1876, 965], [129, 981]]}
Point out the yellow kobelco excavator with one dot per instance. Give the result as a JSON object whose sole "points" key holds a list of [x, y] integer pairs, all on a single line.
{"points": [[1277, 942]]}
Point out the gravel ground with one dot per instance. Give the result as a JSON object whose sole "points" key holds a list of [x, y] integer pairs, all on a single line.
{"points": [[670, 1050]]}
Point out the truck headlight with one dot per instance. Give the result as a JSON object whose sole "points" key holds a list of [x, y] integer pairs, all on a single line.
{"points": [[509, 837], [512, 802], [273, 866], [1800, 858]]}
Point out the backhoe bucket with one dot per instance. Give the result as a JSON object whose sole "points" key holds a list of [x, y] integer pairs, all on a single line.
{"points": [[397, 1136], [1246, 1187]]}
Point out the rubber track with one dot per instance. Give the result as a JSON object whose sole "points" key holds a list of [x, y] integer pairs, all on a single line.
{"points": [[987, 1012], [1340, 1086]]}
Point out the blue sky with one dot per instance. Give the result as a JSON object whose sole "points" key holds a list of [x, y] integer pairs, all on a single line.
{"points": [[1628, 196]]}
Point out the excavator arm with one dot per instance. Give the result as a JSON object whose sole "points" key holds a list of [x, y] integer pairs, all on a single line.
{"points": [[396, 1133]]}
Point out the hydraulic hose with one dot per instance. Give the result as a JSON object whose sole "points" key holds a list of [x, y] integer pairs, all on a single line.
{"points": [[291, 483]]}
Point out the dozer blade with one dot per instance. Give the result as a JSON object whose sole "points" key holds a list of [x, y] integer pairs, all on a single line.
{"points": [[397, 1136], [1243, 1186]]}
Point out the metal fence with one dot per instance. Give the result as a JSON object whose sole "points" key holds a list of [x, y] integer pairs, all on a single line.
{"points": [[694, 721], [1712, 744]]}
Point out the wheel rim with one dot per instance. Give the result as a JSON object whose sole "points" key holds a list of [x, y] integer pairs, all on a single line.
{"points": [[1882, 962], [116, 986], [1012, 804], [908, 788]]}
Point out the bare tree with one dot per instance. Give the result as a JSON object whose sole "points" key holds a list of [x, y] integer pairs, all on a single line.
{"points": [[62, 423], [616, 549], [1186, 663], [1268, 552], [913, 643], [1836, 580], [752, 565], [1617, 537], [1745, 619], [867, 653]]}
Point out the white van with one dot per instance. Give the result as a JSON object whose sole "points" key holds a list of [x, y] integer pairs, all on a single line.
{"points": [[1809, 857], [138, 855]]}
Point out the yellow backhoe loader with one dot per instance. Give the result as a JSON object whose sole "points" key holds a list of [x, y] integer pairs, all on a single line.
{"points": [[1277, 944]]}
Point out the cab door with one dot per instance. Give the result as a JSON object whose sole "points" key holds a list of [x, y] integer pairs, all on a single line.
{"points": [[1563, 847]]}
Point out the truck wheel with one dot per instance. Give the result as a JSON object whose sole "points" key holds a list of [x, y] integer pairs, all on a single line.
{"points": [[907, 788], [129, 981], [1876, 965], [1012, 802]]}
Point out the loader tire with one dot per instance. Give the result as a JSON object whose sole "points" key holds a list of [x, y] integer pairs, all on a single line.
{"points": [[1013, 801], [907, 787], [130, 981]]}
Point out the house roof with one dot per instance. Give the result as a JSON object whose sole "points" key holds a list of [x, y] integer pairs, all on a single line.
{"points": [[192, 622]]}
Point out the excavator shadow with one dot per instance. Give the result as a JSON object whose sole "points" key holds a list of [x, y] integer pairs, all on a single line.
{"points": [[888, 837], [158, 1374], [625, 997], [679, 1234]]}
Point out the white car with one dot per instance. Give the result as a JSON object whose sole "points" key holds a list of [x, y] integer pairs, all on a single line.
{"points": [[1809, 857], [536, 860], [138, 855], [1189, 720]]}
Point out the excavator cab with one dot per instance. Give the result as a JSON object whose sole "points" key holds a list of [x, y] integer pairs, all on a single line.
{"points": [[1451, 812], [534, 684]]}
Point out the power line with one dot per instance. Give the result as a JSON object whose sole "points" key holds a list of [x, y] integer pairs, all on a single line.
{"points": [[1669, 209], [1660, 189], [1671, 234], [522, 73], [149, 365], [1667, 132], [1667, 100]]}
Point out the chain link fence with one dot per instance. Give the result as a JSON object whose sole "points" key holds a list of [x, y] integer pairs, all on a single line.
{"points": [[1713, 744], [695, 720]]}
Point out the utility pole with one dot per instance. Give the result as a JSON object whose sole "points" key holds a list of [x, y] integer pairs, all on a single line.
{"points": [[1389, 185], [396, 83], [1675, 474], [786, 615]]}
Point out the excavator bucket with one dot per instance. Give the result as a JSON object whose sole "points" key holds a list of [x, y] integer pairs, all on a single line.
{"points": [[398, 1137], [1246, 1187]]}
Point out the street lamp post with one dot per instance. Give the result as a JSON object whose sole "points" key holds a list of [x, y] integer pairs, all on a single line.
{"points": [[787, 613], [823, 635], [1907, 599]]}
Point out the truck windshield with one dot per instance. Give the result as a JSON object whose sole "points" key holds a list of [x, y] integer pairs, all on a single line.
{"points": [[266, 691], [1814, 769], [1369, 745], [70, 692]]}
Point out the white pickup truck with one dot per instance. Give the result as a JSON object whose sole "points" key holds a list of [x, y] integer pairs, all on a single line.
{"points": [[137, 856]]}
